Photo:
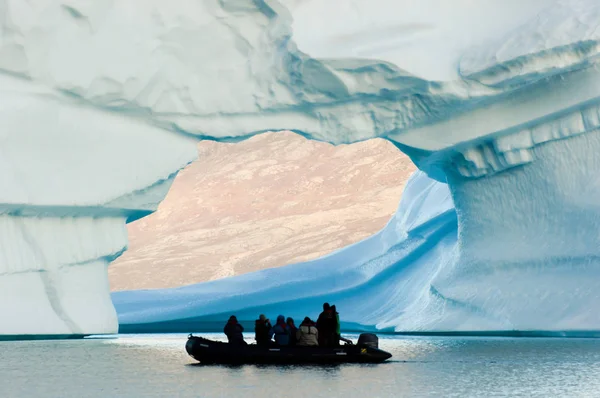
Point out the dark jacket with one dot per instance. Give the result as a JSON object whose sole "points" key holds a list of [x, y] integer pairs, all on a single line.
{"points": [[293, 330], [262, 332], [281, 331], [327, 325], [337, 319], [233, 330]]}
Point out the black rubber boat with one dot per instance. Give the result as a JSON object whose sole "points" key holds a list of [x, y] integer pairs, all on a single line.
{"points": [[215, 352]]}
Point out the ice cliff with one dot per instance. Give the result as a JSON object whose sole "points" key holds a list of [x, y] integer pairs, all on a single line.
{"points": [[497, 102], [71, 177]]}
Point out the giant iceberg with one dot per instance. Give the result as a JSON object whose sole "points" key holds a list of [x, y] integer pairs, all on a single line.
{"points": [[496, 102]]}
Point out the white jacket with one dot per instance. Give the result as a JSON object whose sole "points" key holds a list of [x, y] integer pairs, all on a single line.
{"points": [[307, 336]]}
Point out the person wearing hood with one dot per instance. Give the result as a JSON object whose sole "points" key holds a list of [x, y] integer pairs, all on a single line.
{"points": [[281, 331], [233, 330], [293, 330], [262, 331], [307, 334]]}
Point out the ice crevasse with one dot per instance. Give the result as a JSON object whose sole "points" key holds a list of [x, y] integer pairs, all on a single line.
{"points": [[497, 103]]}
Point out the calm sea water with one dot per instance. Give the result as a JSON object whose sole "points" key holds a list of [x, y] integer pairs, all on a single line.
{"points": [[158, 366]]}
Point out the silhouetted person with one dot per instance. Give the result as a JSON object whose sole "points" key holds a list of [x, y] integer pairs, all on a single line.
{"points": [[262, 331], [281, 331], [327, 326], [293, 330], [337, 323], [233, 330]]}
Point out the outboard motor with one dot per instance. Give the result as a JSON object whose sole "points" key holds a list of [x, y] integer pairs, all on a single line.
{"points": [[368, 340]]}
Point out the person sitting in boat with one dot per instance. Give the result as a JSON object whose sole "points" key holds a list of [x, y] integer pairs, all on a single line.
{"points": [[336, 341], [307, 334], [327, 326], [262, 331], [233, 330], [281, 331], [293, 329]]}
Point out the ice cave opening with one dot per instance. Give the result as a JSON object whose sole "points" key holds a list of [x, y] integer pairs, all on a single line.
{"points": [[268, 201]]}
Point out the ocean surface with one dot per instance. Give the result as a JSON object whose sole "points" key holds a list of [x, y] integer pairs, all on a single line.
{"points": [[158, 366]]}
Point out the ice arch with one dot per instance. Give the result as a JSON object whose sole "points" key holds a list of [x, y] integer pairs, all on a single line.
{"points": [[94, 130]]}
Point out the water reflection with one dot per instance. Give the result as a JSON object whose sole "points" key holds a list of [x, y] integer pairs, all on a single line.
{"points": [[135, 366]]}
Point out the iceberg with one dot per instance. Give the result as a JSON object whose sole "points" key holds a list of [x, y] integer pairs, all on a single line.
{"points": [[496, 103]]}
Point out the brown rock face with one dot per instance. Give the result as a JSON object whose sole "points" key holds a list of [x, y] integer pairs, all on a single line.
{"points": [[272, 200]]}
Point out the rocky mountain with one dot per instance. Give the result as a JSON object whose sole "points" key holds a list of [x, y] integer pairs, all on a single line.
{"points": [[272, 200]]}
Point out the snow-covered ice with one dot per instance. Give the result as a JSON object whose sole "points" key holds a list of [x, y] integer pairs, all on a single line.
{"points": [[496, 102]]}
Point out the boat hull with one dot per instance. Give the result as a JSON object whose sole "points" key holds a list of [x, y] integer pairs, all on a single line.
{"points": [[215, 352]]}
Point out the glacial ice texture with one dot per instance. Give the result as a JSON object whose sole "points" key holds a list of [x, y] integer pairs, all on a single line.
{"points": [[508, 120], [99, 101], [518, 251], [71, 177], [370, 281]]}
